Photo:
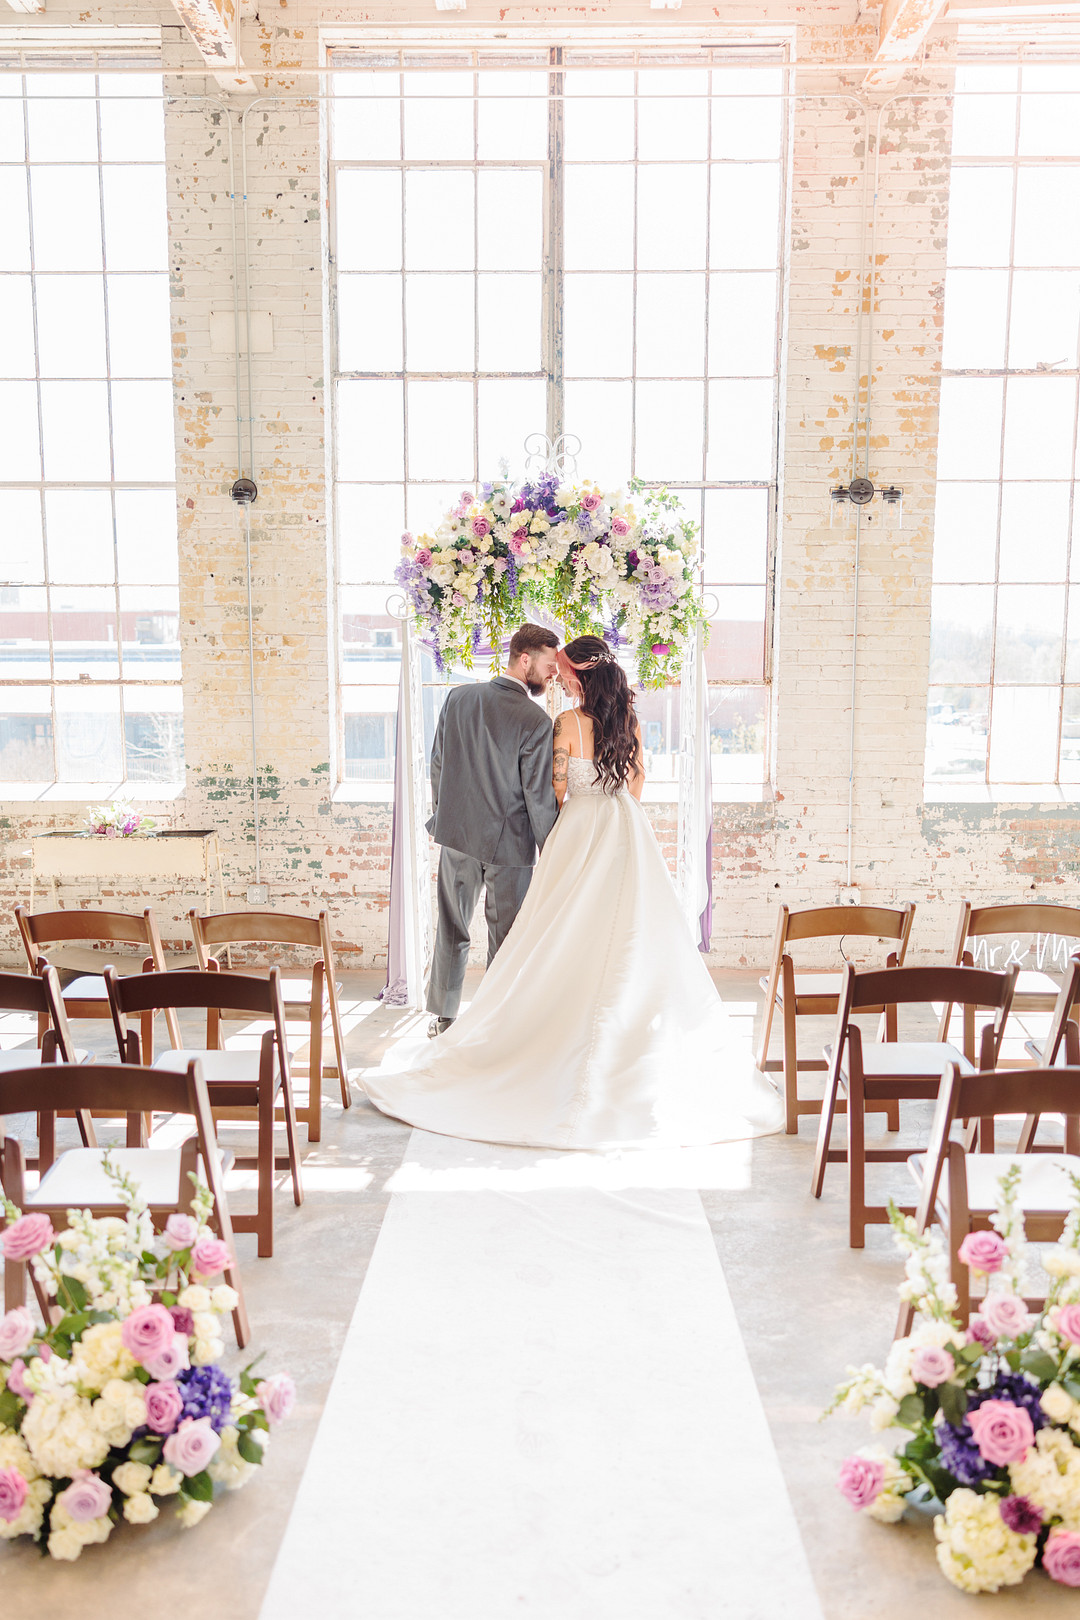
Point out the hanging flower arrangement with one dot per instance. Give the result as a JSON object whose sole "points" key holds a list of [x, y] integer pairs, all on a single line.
{"points": [[590, 558]]}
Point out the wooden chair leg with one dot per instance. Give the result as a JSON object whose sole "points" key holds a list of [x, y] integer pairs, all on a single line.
{"points": [[905, 1317], [147, 1023], [14, 1284], [264, 1218], [825, 1125], [1027, 1133], [892, 1115], [339, 1046], [856, 1115], [315, 1067], [294, 1149], [791, 1071]]}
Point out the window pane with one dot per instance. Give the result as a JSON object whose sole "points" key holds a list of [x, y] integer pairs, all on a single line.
{"points": [[736, 535], [742, 430], [969, 427], [370, 418], [21, 556], [136, 235], [140, 340], [150, 628], [736, 645], [439, 206], [669, 431], [88, 734], [24, 646], [737, 722], [670, 325], [1044, 316], [369, 323], [510, 194], [84, 632], [128, 127], [1072, 646], [599, 413], [1034, 531], [17, 325], [440, 430], [1030, 625], [146, 536], [143, 436], [980, 215], [598, 116], [75, 426], [369, 715], [599, 218], [370, 523], [1024, 733], [509, 412], [671, 216], [742, 325], [71, 326], [436, 127], [747, 126], [439, 324], [79, 536], [965, 526], [673, 113], [509, 323], [1046, 233], [598, 325], [367, 219], [745, 223], [67, 218], [20, 456], [427, 504], [366, 115], [12, 137], [960, 628], [26, 742], [956, 726], [1049, 126], [984, 121], [63, 131], [975, 308], [1040, 414], [512, 117], [15, 237], [1070, 735], [154, 733]]}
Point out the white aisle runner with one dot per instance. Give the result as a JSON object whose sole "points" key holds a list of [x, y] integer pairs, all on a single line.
{"points": [[543, 1408]]}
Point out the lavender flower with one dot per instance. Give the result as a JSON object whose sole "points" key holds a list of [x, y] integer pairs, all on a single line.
{"points": [[207, 1393]]}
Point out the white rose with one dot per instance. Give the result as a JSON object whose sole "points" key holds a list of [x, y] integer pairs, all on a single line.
{"points": [[165, 1481], [140, 1508], [1057, 1403], [190, 1512], [442, 575], [195, 1297], [65, 1545], [132, 1478], [1061, 1262], [564, 495], [224, 1299]]}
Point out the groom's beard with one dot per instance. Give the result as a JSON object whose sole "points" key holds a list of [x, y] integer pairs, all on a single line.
{"points": [[537, 688]]}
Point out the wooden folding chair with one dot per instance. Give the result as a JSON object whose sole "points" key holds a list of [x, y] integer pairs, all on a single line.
{"points": [[1036, 991], [960, 1190], [303, 998], [40, 996], [241, 1085], [44, 936], [892, 1070], [77, 1178], [797, 992], [1062, 1038]]}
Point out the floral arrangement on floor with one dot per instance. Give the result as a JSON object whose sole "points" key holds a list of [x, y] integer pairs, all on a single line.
{"points": [[119, 819], [585, 556], [993, 1410], [123, 1401]]}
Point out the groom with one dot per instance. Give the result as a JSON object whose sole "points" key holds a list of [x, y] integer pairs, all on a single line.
{"points": [[493, 807]]}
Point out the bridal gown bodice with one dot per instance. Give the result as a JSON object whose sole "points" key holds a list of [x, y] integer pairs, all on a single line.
{"points": [[597, 1024]]}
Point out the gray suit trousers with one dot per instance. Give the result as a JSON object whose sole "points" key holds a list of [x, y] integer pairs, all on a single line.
{"points": [[461, 878]]}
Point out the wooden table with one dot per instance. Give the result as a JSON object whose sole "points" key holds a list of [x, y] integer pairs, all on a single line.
{"points": [[148, 856]]}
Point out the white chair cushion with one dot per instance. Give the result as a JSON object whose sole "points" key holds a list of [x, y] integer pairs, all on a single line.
{"points": [[1044, 1187], [29, 1057], [884, 1060], [215, 1065], [809, 983], [90, 987], [77, 1180], [81, 959], [1031, 983]]}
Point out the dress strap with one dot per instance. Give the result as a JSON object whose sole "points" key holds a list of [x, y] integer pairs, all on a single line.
{"points": [[580, 738]]}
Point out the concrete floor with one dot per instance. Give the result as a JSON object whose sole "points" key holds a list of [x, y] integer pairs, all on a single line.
{"points": [[807, 1306]]}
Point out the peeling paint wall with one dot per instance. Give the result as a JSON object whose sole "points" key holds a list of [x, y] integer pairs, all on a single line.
{"points": [[316, 849]]}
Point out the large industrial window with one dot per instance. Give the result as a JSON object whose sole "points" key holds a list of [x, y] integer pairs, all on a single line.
{"points": [[89, 617], [552, 244], [1005, 651]]}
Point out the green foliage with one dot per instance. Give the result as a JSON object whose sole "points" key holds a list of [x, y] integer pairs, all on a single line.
{"points": [[11, 1409], [146, 1451], [911, 1412], [201, 1487], [249, 1449]]}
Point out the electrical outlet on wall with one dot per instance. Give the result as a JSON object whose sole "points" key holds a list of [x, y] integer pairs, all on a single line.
{"points": [[849, 894], [258, 894]]}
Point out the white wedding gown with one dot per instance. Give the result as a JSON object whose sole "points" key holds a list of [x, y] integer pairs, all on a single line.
{"points": [[597, 1024]]}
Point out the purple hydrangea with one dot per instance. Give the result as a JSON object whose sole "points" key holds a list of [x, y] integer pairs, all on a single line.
{"points": [[208, 1393]]}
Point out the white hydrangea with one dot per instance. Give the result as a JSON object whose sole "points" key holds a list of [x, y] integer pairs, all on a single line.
{"points": [[60, 1431], [1058, 1404], [889, 1503], [1050, 1475], [14, 1454], [119, 1410], [976, 1550], [101, 1355]]}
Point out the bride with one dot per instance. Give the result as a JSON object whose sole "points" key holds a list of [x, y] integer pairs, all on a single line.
{"points": [[597, 1024]]}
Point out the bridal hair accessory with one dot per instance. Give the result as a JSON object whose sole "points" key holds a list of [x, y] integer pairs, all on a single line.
{"points": [[568, 671]]}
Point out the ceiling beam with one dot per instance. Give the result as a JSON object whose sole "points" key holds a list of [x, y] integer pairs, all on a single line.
{"points": [[214, 29], [27, 5], [904, 26]]}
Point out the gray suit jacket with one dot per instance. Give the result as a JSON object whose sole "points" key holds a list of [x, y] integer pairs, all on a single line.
{"points": [[491, 774]]}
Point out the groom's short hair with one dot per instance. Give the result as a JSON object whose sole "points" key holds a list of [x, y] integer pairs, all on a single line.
{"points": [[530, 638]]}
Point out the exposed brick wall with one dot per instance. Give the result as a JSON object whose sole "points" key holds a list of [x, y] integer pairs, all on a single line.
{"points": [[317, 850]]}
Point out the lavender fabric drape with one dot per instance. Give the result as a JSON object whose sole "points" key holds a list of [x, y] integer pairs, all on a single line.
{"points": [[394, 991], [706, 915]]}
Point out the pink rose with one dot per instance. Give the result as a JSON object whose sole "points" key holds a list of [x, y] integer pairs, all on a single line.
{"points": [[13, 1493], [1005, 1314], [17, 1381], [459, 600], [276, 1396], [168, 1362], [183, 1319], [16, 1333], [26, 1237], [983, 1251], [467, 498], [190, 1447], [466, 556], [1061, 1557], [480, 527], [87, 1497], [1003, 1431], [931, 1365], [210, 1256], [164, 1404], [147, 1331], [861, 1479], [591, 501], [181, 1231], [423, 557], [619, 526], [1067, 1323], [980, 1332]]}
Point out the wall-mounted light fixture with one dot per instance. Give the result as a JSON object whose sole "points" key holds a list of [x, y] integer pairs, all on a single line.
{"points": [[861, 492]]}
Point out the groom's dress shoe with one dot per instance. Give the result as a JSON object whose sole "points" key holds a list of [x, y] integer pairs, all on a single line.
{"points": [[438, 1026]]}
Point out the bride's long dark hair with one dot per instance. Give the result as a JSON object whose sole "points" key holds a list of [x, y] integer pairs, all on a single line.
{"points": [[607, 699]]}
